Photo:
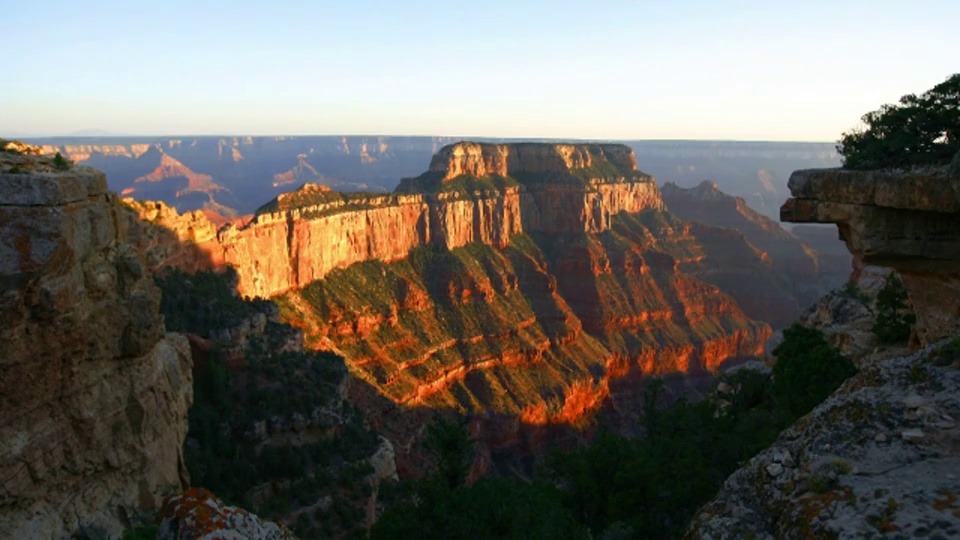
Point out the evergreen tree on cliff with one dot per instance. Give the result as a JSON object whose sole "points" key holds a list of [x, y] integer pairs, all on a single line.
{"points": [[918, 130]]}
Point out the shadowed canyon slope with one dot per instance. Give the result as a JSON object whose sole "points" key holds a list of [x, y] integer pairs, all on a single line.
{"points": [[793, 274]]}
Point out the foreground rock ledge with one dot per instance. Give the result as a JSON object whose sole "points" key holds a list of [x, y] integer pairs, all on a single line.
{"points": [[880, 456], [905, 219], [93, 393]]}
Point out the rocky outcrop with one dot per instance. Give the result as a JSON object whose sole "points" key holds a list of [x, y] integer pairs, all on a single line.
{"points": [[93, 393], [197, 514], [878, 458], [904, 219], [518, 159], [304, 235]]}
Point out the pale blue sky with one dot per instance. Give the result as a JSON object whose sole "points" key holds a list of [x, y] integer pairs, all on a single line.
{"points": [[798, 70]]}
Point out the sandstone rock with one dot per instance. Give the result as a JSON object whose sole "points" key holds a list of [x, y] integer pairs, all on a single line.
{"points": [[484, 159], [384, 462], [93, 394], [299, 238], [197, 514], [774, 470]]}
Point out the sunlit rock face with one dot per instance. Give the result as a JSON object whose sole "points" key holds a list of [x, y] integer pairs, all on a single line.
{"points": [[304, 235], [908, 220], [93, 393]]}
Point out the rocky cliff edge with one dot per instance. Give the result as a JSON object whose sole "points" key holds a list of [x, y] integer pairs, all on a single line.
{"points": [[93, 393], [908, 220]]}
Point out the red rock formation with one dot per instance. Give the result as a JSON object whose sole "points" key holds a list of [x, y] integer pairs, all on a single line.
{"points": [[484, 159], [304, 235], [440, 300]]}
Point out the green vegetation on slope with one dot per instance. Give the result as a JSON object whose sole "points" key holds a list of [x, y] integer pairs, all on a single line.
{"points": [[305, 197], [808, 370], [240, 443], [918, 130], [619, 487], [440, 309]]}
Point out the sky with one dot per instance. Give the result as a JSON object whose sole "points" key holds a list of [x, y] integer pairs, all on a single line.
{"points": [[615, 69]]}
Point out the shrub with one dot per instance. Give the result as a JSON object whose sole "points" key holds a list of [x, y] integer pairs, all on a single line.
{"points": [[807, 371], [894, 321], [449, 443], [61, 163], [851, 290], [918, 130]]}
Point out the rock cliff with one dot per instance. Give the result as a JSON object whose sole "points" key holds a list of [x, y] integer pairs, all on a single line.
{"points": [[907, 220], [304, 235], [93, 393], [544, 332]]}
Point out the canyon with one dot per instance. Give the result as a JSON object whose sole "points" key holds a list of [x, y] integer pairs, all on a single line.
{"points": [[525, 285], [304, 235], [796, 273], [532, 288]]}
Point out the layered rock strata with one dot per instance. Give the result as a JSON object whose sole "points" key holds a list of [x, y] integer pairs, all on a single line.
{"points": [[793, 276], [545, 332], [304, 235], [93, 393], [522, 284], [904, 219]]}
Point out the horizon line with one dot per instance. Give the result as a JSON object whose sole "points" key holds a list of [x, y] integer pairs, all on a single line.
{"points": [[460, 137]]}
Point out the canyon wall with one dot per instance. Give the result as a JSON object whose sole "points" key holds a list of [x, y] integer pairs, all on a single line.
{"points": [[908, 220], [794, 275], [304, 235], [93, 393]]}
